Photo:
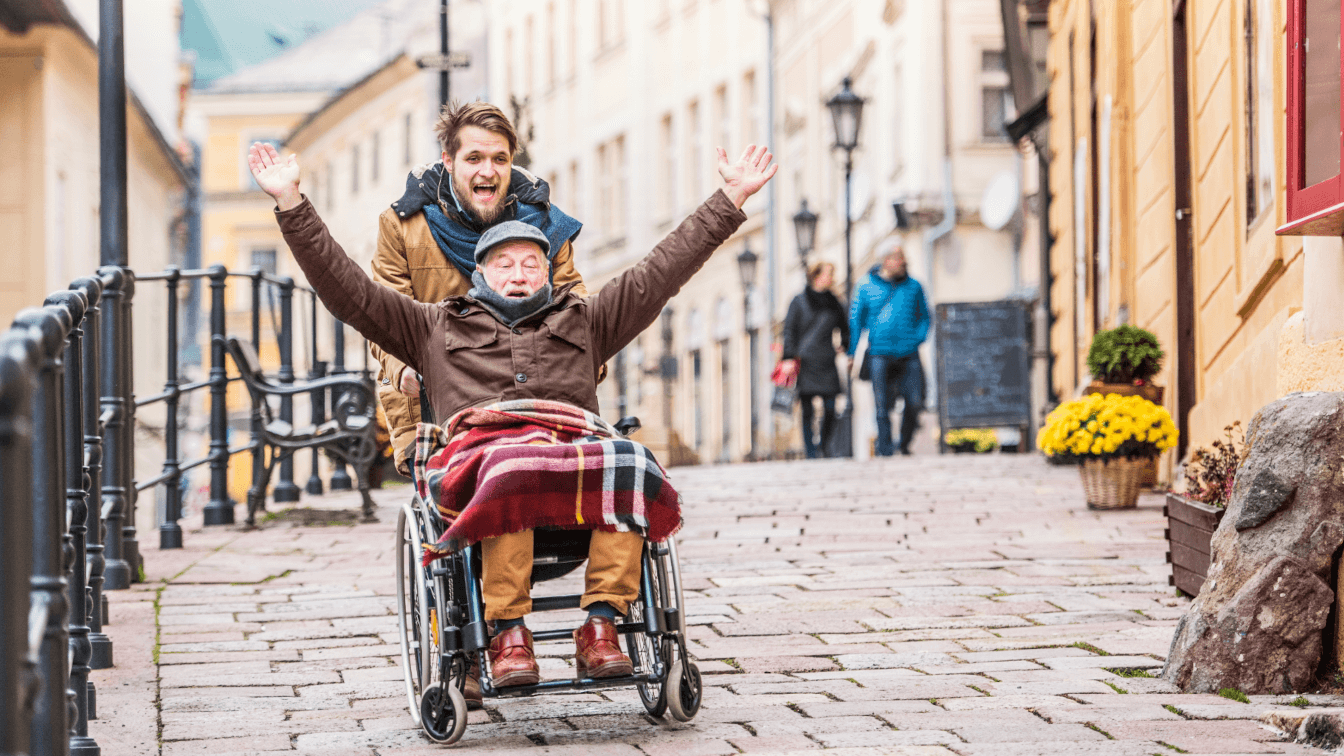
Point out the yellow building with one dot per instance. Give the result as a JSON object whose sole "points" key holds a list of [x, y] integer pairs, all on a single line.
{"points": [[1167, 185]]}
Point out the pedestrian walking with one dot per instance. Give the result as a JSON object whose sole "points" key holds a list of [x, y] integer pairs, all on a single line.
{"points": [[891, 307], [809, 354]]}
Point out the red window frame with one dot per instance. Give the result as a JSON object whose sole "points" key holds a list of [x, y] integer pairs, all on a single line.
{"points": [[1316, 210]]}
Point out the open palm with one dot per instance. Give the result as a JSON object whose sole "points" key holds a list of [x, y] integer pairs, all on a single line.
{"points": [[277, 177], [746, 176]]}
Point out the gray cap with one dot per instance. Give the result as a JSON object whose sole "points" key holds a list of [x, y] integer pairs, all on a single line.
{"points": [[510, 231]]}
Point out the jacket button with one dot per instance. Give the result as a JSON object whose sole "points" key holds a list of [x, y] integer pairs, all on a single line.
{"points": [[521, 377]]}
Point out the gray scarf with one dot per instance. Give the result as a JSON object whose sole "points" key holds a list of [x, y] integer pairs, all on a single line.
{"points": [[509, 310]]}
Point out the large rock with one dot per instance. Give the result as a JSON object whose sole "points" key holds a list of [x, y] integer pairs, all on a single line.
{"points": [[1259, 620]]}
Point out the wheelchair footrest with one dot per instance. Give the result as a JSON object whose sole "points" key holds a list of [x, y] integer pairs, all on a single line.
{"points": [[556, 603]]}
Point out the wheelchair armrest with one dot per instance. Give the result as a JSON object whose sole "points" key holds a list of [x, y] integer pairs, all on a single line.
{"points": [[627, 425]]}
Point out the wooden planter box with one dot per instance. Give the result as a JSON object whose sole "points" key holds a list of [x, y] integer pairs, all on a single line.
{"points": [[1190, 526]]}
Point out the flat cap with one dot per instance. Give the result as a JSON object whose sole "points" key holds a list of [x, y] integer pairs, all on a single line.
{"points": [[510, 231]]}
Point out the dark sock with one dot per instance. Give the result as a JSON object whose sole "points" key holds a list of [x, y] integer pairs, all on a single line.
{"points": [[502, 625], [602, 609]]}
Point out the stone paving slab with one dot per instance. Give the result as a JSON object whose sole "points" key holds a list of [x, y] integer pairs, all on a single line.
{"points": [[926, 606]]}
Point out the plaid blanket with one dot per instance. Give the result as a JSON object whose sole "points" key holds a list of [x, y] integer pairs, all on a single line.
{"points": [[524, 464]]}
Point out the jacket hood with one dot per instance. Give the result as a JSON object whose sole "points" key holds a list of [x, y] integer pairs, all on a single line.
{"points": [[426, 185]]}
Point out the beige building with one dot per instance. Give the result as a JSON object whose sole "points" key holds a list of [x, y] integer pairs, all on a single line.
{"points": [[628, 100], [1169, 222]]}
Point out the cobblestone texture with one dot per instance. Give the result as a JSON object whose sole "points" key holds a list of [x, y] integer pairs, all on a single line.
{"points": [[923, 606]]}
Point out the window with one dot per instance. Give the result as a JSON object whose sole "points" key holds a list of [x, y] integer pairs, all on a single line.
{"points": [[354, 169], [529, 41], [406, 142], [667, 161], [575, 198], [550, 46], [725, 396], [751, 126], [508, 65], [697, 399], [610, 23], [1259, 108], [329, 193], [573, 50], [611, 187], [996, 103], [264, 259], [722, 127], [695, 151], [898, 120], [1313, 128], [374, 151]]}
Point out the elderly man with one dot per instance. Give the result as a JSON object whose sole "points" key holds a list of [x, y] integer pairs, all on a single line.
{"points": [[426, 239], [512, 342], [891, 307]]}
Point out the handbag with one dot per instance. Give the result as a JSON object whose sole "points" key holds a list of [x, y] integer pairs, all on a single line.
{"points": [[866, 365], [782, 399]]}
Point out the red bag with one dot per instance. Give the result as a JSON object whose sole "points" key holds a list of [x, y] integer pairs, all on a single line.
{"points": [[783, 377]]}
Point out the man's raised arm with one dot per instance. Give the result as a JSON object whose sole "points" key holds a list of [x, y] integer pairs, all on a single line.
{"points": [[397, 323], [631, 302]]}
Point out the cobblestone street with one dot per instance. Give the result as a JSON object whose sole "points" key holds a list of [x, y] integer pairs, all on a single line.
{"points": [[920, 606]]}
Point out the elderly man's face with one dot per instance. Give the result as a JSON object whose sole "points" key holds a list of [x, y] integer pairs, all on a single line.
{"points": [[481, 171], [516, 269], [893, 265]]}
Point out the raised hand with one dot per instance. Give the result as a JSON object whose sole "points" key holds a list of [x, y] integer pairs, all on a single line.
{"points": [[278, 178], [746, 177]]}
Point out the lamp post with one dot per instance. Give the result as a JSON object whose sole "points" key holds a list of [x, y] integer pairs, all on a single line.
{"points": [[805, 229], [746, 267], [846, 111]]}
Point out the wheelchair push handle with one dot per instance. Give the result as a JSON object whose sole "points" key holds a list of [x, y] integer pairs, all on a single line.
{"points": [[628, 425]]}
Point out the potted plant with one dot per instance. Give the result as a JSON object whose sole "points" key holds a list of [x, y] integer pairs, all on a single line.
{"points": [[1111, 437], [971, 440], [1124, 361], [1193, 516]]}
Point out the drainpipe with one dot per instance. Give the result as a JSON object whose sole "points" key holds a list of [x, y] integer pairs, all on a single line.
{"points": [[949, 220], [771, 256]]}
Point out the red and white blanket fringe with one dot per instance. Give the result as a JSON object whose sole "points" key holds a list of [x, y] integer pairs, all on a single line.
{"points": [[525, 464]]}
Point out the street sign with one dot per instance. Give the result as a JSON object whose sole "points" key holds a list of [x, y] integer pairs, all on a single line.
{"points": [[445, 62]]}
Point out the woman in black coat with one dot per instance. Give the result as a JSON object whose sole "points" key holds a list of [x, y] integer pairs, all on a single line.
{"points": [[810, 349]]}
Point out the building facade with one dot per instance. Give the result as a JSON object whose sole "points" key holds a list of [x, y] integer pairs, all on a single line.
{"points": [[1168, 177], [626, 102]]}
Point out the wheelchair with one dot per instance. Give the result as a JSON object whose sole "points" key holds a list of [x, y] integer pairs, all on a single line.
{"points": [[442, 628]]}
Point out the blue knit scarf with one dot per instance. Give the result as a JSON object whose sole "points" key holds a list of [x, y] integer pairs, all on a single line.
{"points": [[459, 243]]}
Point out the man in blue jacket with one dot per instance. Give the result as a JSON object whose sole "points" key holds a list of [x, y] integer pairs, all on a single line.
{"points": [[891, 307]]}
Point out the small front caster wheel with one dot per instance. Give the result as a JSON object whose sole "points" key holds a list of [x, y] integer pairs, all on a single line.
{"points": [[443, 713], [684, 690]]}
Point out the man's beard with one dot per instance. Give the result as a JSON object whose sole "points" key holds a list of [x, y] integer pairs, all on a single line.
{"points": [[486, 215]]}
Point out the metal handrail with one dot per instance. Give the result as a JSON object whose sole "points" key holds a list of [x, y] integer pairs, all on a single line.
{"points": [[67, 451]]}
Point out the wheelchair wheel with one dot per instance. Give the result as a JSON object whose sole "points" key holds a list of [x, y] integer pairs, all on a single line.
{"points": [[443, 713], [418, 632], [643, 649], [684, 690]]}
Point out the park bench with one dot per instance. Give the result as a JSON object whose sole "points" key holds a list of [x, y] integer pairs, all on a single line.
{"points": [[348, 436]]}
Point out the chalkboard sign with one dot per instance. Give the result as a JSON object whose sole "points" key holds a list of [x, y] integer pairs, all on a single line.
{"points": [[984, 368]]}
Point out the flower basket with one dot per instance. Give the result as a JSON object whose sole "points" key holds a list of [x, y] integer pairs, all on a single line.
{"points": [[1113, 483], [1114, 438]]}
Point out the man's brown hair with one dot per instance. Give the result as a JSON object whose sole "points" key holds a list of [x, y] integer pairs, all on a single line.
{"points": [[480, 114], [815, 270]]}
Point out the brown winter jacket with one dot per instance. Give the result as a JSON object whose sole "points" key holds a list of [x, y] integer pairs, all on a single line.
{"points": [[408, 260], [467, 357]]}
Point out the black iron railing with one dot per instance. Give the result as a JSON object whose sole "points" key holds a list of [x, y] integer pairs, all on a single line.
{"points": [[68, 495]]}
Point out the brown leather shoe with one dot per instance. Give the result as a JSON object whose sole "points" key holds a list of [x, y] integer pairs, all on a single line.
{"points": [[471, 688], [597, 650], [511, 659]]}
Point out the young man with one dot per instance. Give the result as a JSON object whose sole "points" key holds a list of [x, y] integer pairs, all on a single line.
{"points": [[515, 341], [427, 237], [891, 307]]}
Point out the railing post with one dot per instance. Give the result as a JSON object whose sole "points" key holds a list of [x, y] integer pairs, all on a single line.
{"points": [[258, 449], [77, 511], [16, 537], [117, 571], [93, 466], [49, 327], [317, 403], [285, 490], [340, 478], [170, 532], [220, 509], [125, 349]]}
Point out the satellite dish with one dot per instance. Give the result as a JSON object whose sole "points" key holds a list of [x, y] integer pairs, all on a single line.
{"points": [[1000, 200]]}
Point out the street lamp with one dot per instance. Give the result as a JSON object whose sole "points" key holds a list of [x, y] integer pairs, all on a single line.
{"points": [[805, 228], [746, 267], [846, 111]]}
